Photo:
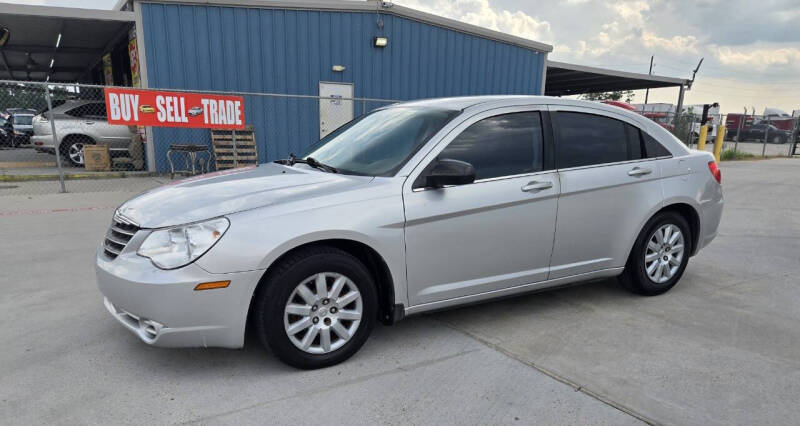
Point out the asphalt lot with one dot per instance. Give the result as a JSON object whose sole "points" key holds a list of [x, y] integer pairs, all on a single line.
{"points": [[720, 348]]}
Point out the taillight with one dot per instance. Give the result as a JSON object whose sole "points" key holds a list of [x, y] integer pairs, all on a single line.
{"points": [[715, 171]]}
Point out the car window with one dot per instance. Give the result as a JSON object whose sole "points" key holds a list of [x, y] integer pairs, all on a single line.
{"points": [[503, 145], [23, 120], [79, 111], [653, 148], [588, 139], [96, 110], [380, 143], [635, 145]]}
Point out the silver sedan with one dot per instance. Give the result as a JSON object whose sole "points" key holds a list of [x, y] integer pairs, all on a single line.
{"points": [[417, 206]]}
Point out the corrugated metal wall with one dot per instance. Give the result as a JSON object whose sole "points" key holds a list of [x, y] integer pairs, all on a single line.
{"points": [[291, 51]]}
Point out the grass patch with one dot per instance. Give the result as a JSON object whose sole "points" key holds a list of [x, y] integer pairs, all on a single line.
{"points": [[730, 155]]}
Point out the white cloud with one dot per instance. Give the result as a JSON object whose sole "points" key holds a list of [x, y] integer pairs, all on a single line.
{"points": [[759, 58], [481, 13], [674, 44], [631, 12]]}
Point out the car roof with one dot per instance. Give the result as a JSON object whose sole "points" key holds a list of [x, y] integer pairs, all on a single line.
{"points": [[496, 101], [72, 103], [499, 101]]}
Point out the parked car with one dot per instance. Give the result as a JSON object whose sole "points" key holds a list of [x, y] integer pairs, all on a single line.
{"points": [[21, 128], [78, 123], [5, 130], [758, 131], [10, 111], [413, 207]]}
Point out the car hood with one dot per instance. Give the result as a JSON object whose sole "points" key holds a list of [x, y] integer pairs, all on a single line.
{"points": [[220, 193]]}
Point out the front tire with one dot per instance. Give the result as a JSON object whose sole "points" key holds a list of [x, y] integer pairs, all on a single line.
{"points": [[316, 308], [659, 256]]}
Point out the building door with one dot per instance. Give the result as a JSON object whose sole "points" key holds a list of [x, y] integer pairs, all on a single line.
{"points": [[334, 111]]}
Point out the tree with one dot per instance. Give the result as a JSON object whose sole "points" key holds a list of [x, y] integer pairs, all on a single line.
{"points": [[21, 95], [609, 96]]}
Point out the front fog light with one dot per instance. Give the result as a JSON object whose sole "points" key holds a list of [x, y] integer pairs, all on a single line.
{"points": [[172, 248]]}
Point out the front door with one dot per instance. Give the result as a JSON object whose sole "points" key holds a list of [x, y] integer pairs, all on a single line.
{"points": [[494, 233], [334, 107]]}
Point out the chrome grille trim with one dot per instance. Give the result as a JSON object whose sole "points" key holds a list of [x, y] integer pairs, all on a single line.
{"points": [[121, 231], [119, 235]]}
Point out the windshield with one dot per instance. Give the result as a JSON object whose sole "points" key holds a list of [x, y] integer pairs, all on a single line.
{"points": [[23, 119], [379, 143]]}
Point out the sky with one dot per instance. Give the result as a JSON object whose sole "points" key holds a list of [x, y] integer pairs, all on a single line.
{"points": [[751, 48]]}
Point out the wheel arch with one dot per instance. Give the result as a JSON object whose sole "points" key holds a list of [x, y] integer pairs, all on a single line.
{"points": [[74, 136], [388, 312], [692, 216], [686, 210]]}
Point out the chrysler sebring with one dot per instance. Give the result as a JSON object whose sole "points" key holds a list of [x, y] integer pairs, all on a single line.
{"points": [[413, 207]]}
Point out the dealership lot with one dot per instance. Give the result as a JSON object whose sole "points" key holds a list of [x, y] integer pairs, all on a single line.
{"points": [[719, 348]]}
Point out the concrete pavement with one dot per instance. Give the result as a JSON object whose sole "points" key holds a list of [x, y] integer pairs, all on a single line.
{"points": [[719, 348]]}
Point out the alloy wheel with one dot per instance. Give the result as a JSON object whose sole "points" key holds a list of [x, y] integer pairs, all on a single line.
{"points": [[664, 253], [323, 313], [75, 153]]}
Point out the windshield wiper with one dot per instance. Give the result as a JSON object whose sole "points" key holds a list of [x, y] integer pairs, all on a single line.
{"points": [[292, 160]]}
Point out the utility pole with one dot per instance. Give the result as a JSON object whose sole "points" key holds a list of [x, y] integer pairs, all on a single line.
{"points": [[647, 92]]}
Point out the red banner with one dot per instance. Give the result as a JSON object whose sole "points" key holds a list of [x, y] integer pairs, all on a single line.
{"points": [[134, 107]]}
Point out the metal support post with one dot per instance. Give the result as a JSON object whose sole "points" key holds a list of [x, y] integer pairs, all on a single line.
{"points": [[701, 139], [56, 146], [235, 160]]}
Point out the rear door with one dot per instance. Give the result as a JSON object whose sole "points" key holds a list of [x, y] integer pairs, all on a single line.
{"points": [[608, 190]]}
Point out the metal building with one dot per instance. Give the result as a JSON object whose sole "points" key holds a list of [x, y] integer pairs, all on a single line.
{"points": [[311, 48], [323, 48]]}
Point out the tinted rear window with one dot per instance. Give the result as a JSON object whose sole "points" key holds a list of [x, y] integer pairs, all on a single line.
{"points": [[588, 139], [23, 120]]}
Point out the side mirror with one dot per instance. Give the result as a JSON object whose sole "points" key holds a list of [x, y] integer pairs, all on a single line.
{"points": [[450, 172]]}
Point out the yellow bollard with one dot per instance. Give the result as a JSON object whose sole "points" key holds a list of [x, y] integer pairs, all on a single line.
{"points": [[701, 140], [718, 142]]}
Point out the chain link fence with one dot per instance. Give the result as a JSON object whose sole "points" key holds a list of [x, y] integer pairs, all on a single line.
{"points": [[71, 147], [745, 135]]}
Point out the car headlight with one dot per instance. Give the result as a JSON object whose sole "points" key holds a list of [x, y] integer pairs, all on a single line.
{"points": [[178, 246]]}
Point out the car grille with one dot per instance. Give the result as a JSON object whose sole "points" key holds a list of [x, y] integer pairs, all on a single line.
{"points": [[118, 236]]}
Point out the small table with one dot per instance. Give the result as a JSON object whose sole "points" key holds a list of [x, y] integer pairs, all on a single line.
{"points": [[190, 156]]}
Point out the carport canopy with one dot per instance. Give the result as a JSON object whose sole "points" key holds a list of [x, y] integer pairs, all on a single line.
{"points": [[565, 79], [73, 39]]}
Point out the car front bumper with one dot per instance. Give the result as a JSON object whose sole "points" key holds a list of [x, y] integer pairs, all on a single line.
{"points": [[162, 308]]}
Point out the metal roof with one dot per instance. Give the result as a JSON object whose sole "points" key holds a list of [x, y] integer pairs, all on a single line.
{"points": [[384, 7], [570, 79], [85, 35]]}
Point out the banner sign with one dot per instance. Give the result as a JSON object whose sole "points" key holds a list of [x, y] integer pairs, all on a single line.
{"points": [[134, 107]]}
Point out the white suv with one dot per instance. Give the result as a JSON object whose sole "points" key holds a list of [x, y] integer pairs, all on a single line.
{"points": [[78, 123]]}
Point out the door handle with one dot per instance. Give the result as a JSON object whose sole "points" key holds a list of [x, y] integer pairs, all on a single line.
{"points": [[537, 186], [638, 171], [88, 122]]}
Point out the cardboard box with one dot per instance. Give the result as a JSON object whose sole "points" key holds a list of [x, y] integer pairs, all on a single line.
{"points": [[96, 158]]}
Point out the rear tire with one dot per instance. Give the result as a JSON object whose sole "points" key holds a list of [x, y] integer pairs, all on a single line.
{"points": [[72, 150], [303, 324], [655, 264]]}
